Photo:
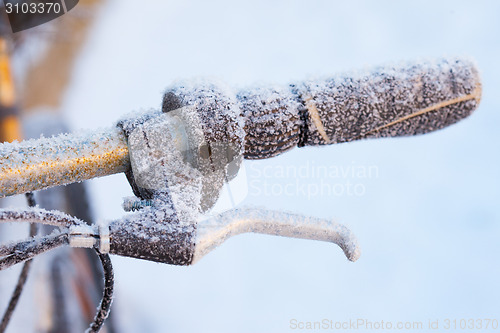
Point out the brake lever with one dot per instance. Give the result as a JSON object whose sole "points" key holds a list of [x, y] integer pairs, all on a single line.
{"points": [[161, 234], [214, 231]]}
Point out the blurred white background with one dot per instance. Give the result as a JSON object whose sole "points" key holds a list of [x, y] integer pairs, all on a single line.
{"points": [[428, 223]]}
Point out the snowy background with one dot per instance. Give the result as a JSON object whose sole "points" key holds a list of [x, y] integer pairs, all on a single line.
{"points": [[428, 220]]}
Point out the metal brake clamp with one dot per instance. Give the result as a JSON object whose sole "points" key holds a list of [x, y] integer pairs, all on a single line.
{"points": [[180, 159]]}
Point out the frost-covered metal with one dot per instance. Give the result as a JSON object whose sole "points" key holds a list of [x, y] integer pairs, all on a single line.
{"points": [[213, 231], [178, 159], [210, 127], [160, 233], [169, 236], [69, 158]]}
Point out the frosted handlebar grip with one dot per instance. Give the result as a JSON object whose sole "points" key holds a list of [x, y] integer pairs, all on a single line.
{"points": [[389, 101]]}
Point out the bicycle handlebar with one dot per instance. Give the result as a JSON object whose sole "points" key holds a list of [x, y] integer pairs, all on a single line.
{"points": [[177, 159], [261, 123]]}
